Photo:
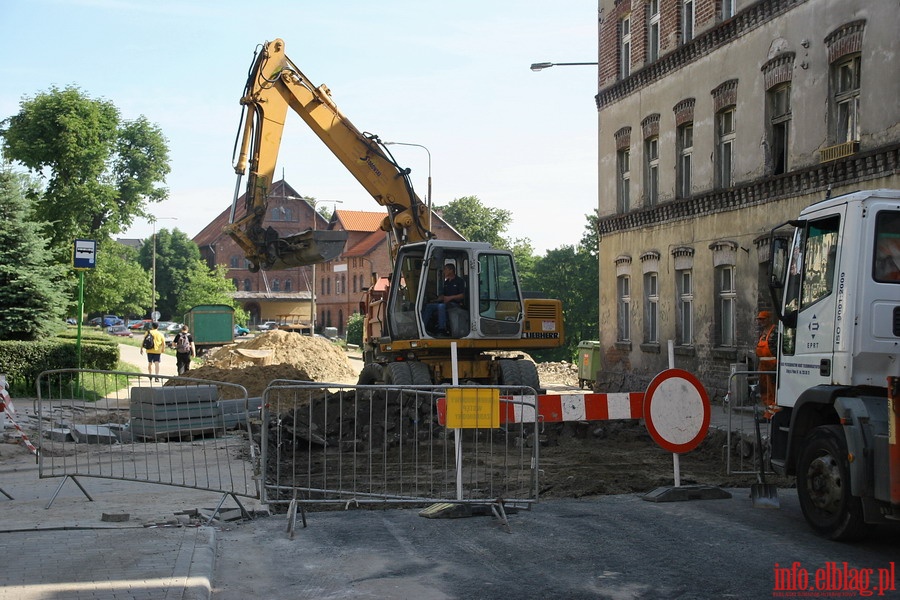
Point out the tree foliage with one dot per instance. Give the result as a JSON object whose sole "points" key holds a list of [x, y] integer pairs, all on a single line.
{"points": [[176, 256], [100, 171], [32, 298], [208, 286], [570, 273], [477, 222], [118, 285]]}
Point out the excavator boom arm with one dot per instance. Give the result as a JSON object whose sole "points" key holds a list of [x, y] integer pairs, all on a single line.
{"points": [[275, 85]]}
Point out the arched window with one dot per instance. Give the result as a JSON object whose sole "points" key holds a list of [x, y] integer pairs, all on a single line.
{"points": [[247, 286], [287, 285]]}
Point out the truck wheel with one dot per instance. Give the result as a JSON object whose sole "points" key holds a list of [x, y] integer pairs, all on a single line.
{"points": [[823, 486]]}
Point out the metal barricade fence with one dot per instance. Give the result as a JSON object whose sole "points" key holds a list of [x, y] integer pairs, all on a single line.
{"points": [[176, 431], [742, 406], [343, 444]]}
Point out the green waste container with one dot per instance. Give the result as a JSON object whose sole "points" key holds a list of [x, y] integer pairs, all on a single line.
{"points": [[588, 362]]}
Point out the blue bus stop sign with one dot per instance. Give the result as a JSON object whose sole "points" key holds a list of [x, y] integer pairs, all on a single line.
{"points": [[84, 255]]}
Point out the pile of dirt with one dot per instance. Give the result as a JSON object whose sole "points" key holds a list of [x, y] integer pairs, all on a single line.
{"points": [[276, 355]]}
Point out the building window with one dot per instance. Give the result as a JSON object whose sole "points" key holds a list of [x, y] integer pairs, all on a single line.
{"points": [[653, 31], [727, 9], [651, 308], [624, 167], [687, 21], [846, 83], [651, 172], [625, 58], [234, 262], [724, 147], [725, 304], [623, 290], [236, 282], [685, 321], [322, 287], [247, 286], [276, 285], [779, 126], [685, 146], [288, 285]]}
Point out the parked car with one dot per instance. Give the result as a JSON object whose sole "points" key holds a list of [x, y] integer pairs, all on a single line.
{"points": [[139, 324], [112, 320], [119, 330], [95, 322], [268, 326], [173, 327], [240, 330], [71, 321]]}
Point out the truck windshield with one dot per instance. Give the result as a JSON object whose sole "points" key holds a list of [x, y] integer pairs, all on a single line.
{"points": [[886, 266]]}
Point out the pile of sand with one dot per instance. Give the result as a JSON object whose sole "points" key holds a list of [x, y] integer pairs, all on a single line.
{"points": [[276, 355]]}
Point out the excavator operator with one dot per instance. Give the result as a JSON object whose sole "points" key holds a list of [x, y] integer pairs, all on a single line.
{"points": [[454, 292]]}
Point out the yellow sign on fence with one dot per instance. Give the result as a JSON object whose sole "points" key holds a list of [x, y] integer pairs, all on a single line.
{"points": [[473, 408]]}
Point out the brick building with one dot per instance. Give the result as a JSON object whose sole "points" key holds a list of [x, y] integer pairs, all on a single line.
{"points": [[719, 120]]}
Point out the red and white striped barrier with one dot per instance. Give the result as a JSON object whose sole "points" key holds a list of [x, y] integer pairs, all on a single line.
{"points": [[6, 408], [557, 408]]}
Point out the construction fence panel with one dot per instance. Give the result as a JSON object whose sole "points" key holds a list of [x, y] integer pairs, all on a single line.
{"points": [[743, 406], [343, 444], [176, 431]]}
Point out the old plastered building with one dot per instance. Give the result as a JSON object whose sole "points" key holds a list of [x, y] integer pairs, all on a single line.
{"points": [[719, 120]]}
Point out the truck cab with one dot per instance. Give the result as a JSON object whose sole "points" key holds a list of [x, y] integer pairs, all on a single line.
{"points": [[836, 282]]}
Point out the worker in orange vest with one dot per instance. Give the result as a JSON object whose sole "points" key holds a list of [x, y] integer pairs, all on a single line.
{"points": [[766, 352]]}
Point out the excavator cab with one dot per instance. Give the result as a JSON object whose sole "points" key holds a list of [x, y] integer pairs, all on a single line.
{"points": [[492, 304]]}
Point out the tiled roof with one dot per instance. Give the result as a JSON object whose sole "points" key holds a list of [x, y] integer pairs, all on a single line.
{"points": [[367, 244], [360, 220]]}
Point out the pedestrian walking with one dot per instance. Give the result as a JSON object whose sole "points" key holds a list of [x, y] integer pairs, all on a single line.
{"points": [[155, 344], [184, 349]]}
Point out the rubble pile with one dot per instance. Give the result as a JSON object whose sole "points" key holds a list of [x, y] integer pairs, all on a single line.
{"points": [[564, 373]]}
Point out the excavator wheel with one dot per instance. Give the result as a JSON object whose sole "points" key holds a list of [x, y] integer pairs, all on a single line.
{"points": [[371, 374], [519, 373]]}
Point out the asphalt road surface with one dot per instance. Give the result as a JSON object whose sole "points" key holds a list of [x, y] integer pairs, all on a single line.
{"points": [[611, 547]]}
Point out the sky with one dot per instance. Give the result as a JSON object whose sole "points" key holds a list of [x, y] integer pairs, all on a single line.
{"points": [[451, 76]]}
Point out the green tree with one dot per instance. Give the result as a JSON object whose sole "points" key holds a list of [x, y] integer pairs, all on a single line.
{"points": [[571, 274], [208, 286], [355, 329], [176, 255], [32, 300], [477, 222], [100, 171], [118, 285]]}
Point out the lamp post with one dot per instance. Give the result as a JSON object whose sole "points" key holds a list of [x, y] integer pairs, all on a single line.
{"points": [[546, 65], [153, 314], [428, 193]]}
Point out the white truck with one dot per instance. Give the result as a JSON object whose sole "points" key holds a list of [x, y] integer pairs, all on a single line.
{"points": [[836, 284]]}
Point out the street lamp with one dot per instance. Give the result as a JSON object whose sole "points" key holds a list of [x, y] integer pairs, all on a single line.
{"points": [[546, 65], [153, 314], [428, 193]]}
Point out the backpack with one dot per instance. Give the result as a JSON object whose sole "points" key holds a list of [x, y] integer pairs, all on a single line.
{"points": [[149, 343], [183, 344]]}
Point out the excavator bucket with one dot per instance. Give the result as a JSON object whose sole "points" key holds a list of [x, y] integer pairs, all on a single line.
{"points": [[305, 248]]}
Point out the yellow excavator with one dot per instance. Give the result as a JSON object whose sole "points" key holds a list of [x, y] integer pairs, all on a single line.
{"points": [[489, 318]]}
